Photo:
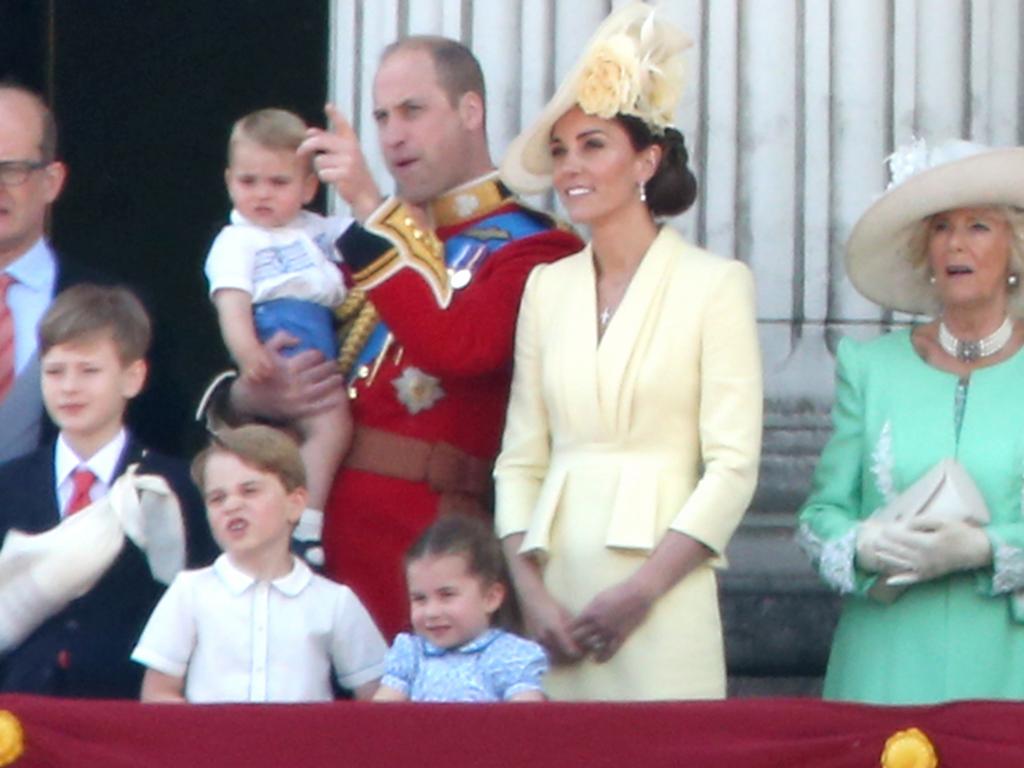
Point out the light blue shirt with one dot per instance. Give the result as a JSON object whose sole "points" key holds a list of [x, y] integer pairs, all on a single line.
{"points": [[495, 666], [36, 274]]}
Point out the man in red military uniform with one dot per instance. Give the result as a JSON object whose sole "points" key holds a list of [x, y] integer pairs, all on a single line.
{"points": [[441, 268]]}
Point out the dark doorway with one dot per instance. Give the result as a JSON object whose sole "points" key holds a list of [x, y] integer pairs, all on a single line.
{"points": [[145, 92]]}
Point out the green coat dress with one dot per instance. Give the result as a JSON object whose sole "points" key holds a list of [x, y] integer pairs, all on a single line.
{"points": [[895, 417]]}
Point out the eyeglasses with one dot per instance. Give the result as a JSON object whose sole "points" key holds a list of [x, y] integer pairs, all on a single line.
{"points": [[16, 172]]}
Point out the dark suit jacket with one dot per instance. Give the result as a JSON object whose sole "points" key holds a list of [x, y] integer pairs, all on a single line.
{"points": [[84, 650]]}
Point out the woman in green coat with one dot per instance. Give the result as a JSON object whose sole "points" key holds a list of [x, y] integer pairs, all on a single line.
{"points": [[915, 514]]}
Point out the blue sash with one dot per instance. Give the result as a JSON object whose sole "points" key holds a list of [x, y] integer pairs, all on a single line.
{"points": [[464, 254]]}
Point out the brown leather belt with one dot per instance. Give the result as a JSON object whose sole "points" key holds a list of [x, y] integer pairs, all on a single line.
{"points": [[445, 468]]}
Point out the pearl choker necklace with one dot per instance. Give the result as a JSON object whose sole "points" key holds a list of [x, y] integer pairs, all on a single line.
{"points": [[969, 351]]}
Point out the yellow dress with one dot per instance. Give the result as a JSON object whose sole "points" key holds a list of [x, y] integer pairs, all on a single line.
{"points": [[609, 445]]}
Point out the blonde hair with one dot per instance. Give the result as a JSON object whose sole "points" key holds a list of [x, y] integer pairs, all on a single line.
{"points": [[264, 448], [87, 309], [270, 128]]}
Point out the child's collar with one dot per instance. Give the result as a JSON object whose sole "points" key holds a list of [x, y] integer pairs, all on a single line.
{"points": [[238, 581], [475, 645], [103, 463], [239, 220]]}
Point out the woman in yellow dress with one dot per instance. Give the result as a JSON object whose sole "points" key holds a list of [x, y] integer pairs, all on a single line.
{"points": [[633, 433]]}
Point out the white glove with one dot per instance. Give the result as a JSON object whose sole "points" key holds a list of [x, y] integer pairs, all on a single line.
{"points": [[873, 536], [307, 535], [151, 516], [310, 526], [928, 548], [41, 573]]}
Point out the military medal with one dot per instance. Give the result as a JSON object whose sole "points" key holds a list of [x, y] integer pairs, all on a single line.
{"points": [[463, 263]]}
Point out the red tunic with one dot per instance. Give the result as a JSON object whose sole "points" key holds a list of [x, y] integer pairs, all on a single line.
{"points": [[465, 339]]}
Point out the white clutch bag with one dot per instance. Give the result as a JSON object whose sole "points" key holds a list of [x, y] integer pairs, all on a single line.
{"points": [[945, 492]]}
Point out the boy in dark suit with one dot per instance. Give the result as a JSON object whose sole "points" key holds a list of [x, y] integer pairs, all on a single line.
{"points": [[92, 343]]}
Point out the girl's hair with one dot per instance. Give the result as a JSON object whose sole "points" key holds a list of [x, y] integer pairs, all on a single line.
{"points": [[673, 187], [473, 539]]}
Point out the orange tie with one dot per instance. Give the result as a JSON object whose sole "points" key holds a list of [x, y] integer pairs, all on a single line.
{"points": [[81, 481], [6, 338]]}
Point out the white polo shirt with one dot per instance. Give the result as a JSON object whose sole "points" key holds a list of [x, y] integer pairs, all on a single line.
{"points": [[235, 639]]}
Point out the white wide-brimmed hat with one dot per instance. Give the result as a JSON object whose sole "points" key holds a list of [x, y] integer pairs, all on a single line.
{"points": [[925, 181], [633, 65]]}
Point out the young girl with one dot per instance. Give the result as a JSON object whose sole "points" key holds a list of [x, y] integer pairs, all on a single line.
{"points": [[456, 577]]}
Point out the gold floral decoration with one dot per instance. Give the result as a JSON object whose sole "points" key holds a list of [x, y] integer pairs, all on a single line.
{"points": [[12, 738], [609, 82], [635, 72], [909, 749]]}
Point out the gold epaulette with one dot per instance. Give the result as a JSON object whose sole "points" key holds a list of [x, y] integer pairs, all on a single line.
{"points": [[412, 246]]}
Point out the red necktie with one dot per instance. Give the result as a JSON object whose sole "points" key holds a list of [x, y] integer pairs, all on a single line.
{"points": [[81, 480], [6, 338]]}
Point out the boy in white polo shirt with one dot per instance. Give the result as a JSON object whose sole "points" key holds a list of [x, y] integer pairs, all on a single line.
{"points": [[257, 625]]}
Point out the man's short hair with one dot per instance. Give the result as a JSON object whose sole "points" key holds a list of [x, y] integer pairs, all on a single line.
{"points": [[264, 448], [86, 310], [458, 71], [269, 128], [48, 139]]}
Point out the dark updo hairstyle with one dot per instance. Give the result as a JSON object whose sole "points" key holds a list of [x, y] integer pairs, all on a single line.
{"points": [[673, 187], [473, 539]]}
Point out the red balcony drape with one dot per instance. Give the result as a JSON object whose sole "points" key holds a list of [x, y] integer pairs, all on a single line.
{"points": [[747, 733]]}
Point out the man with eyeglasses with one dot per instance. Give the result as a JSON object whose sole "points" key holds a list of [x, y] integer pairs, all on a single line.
{"points": [[31, 178]]}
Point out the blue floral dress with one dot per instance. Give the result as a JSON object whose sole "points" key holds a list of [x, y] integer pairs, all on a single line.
{"points": [[495, 666]]}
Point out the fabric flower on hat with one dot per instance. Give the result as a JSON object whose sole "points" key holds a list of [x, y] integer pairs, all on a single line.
{"points": [[633, 65], [907, 160], [609, 82], [916, 156], [635, 72], [660, 92], [662, 75]]}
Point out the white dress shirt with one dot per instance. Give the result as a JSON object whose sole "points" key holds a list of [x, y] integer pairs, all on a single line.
{"points": [[102, 464]]}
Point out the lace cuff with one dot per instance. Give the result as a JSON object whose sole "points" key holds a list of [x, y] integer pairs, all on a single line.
{"points": [[1008, 568], [834, 558]]}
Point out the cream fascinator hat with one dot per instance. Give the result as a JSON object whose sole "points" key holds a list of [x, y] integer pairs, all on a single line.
{"points": [[631, 66], [925, 181]]}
